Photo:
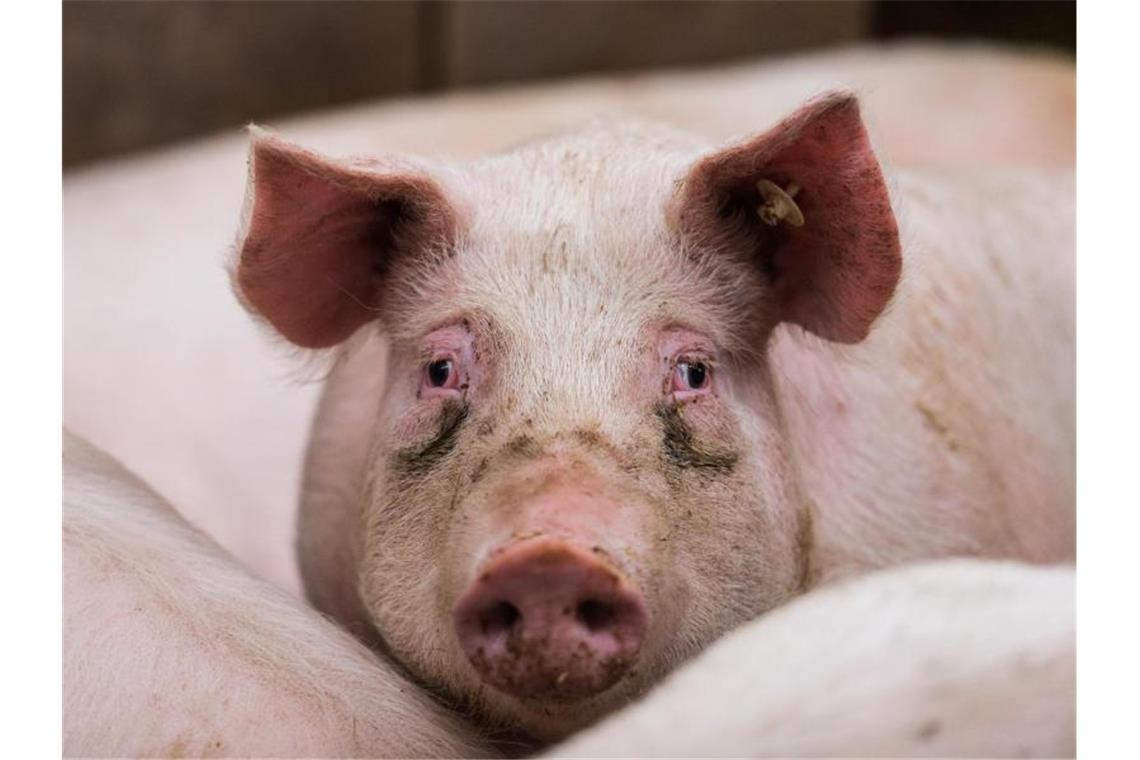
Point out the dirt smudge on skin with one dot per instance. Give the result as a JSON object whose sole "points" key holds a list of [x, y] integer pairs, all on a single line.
{"points": [[591, 439], [417, 461], [805, 536], [929, 730], [937, 425], [523, 447], [480, 471], [681, 450], [534, 669]]}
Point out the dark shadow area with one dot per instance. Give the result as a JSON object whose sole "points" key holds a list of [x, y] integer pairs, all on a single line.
{"points": [[140, 74]]}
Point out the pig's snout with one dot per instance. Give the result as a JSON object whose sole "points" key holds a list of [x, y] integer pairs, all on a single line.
{"points": [[548, 619]]}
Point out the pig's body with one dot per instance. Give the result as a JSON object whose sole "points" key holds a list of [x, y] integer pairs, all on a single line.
{"points": [[171, 649], [950, 430], [956, 658]]}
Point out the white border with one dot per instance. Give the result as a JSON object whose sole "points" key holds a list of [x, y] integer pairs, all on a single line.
{"points": [[30, 411], [1108, 384]]}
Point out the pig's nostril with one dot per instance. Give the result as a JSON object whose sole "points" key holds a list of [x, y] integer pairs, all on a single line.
{"points": [[499, 618], [596, 615], [548, 620]]}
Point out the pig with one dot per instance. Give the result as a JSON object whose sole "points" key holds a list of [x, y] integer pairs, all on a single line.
{"points": [[957, 658], [171, 649], [598, 400], [208, 661]]}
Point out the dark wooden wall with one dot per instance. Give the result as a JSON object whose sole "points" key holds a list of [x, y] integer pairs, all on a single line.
{"points": [[138, 74]]}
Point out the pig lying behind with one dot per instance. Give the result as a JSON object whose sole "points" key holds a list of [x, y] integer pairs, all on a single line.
{"points": [[172, 650], [960, 658], [599, 400]]}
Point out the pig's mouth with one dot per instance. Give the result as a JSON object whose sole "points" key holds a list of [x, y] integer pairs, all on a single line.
{"points": [[548, 621], [539, 670]]}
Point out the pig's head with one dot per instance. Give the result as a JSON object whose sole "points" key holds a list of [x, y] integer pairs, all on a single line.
{"points": [[577, 475]]}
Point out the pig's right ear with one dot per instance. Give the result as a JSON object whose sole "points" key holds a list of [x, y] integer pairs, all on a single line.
{"points": [[320, 236], [807, 203]]}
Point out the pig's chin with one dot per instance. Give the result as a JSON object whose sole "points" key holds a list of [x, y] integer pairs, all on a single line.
{"points": [[549, 719], [552, 717]]}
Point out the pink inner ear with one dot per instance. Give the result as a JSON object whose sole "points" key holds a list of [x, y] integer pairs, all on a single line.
{"points": [[321, 235], [835, 274]]}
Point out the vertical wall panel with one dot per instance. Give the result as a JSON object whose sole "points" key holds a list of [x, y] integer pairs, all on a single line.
{"points": [[505, 41], [141, 73]]}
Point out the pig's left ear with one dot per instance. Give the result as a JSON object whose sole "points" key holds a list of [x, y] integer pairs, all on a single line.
{"points": [[806, 201], [321, 236]]}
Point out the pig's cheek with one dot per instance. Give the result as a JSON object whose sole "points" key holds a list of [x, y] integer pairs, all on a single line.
{"points": [[417, 421], [700, 441], [707, 415], [460, 548], [723, 526], [406, 558]]}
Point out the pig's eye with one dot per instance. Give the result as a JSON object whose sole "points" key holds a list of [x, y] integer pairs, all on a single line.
{"points": [[691, 376], [441, 374]]}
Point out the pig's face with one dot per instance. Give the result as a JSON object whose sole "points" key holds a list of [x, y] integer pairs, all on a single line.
{"points": [[571, 380], [577, 477]]}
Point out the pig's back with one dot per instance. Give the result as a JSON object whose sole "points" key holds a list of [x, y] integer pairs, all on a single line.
{"points": [[950, 431]]}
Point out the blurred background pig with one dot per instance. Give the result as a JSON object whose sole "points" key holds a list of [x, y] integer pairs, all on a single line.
{"points": [[773, 459]]}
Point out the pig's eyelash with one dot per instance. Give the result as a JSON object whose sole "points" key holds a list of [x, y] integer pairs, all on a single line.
{"points": [[696, 357], [429, 354]]}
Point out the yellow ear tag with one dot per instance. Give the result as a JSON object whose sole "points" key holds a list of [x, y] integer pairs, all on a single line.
{"points": [[778, 205]]}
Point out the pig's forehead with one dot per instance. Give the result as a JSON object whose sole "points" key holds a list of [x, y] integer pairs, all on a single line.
{"points": [[567, 243], [598, 181]]}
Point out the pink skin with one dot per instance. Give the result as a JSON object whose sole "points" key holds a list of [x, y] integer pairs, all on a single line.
{"points": [[551, 619]]}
